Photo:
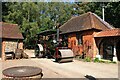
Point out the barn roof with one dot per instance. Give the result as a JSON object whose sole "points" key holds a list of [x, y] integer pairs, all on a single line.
{"points": [[85, 22], [10, 31]]}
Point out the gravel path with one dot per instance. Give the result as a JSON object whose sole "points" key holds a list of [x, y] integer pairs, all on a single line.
{"points": [[75, 69]]}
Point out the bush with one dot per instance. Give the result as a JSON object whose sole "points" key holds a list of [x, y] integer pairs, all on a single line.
{"points": [[87, 59], [96, 60]]}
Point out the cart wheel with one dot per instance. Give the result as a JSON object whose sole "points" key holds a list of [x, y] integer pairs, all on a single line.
{"points": [[38, 53]]}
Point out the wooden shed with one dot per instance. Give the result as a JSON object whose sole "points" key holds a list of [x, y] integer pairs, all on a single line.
{"points": [[11, 38]]}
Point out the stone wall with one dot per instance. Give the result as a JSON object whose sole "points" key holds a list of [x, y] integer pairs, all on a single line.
{"points": [[10, 46]]}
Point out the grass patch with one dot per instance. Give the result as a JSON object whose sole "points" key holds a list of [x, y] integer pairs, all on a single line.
{"points": [[103, 61], [96, 60]]}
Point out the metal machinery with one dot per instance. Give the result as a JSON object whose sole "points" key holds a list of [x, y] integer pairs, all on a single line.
{"points": [[63, 54], [47, 46]]}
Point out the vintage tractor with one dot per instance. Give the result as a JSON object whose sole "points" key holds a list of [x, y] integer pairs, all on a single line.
{"points": [[50, 47]]}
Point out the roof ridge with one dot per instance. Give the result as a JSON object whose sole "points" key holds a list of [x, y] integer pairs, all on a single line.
{"points": [[85, 21], [91, 20], [103, 22], [8, 23]]}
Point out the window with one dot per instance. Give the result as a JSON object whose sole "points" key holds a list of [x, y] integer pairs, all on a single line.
{"points": [[79, 38]]}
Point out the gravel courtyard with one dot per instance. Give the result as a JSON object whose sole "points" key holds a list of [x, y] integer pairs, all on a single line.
{"points": [[75, 69]]}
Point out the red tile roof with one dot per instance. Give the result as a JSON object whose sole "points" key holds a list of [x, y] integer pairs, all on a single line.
{"points": [[84, 22], [107, 33], [10, 31]]}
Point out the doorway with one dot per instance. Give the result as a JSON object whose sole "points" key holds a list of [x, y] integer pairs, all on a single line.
{"points": [[118, 50], [106, 49]]}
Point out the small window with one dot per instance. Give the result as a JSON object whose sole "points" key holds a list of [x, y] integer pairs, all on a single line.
{"points": [[79, 38]]}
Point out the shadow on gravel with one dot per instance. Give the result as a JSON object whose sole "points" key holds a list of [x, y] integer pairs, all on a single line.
{"points": [[89, 77], [63, 62]]}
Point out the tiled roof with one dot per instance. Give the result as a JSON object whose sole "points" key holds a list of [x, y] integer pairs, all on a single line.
{"points": [[84, 22], [10, 31], [107, 33]]}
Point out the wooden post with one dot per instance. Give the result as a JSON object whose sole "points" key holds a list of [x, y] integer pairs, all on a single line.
{"points": [[114, 51], [3, 50], [20, 45]]}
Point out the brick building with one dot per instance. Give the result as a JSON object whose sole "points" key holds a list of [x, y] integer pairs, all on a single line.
{"points": [[11, 38], [88, 34]]}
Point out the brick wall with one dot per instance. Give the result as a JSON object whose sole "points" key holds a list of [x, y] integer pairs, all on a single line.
{"points": [[89, 45]]}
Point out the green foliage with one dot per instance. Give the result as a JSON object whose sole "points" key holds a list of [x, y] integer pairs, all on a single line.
{"points": [[96, 60], [87, 59], [103, 61], [26, 16], [33, 17], [113, 62], [112, 11]]}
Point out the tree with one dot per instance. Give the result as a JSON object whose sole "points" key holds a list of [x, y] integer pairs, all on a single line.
{"points": [[26, 15], [112, 10], [34, 17], [112, 13]]}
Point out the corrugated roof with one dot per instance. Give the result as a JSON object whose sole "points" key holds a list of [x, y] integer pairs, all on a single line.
{"points": [[10, 31], [84, 22], [107, 33]]}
